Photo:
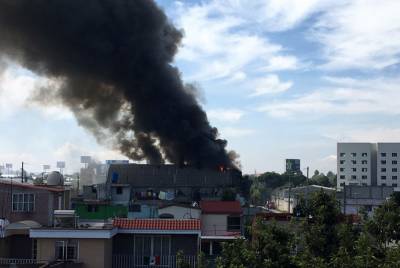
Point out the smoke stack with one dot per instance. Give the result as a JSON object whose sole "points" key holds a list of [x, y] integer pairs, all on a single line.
{"points": [[112, 63]]}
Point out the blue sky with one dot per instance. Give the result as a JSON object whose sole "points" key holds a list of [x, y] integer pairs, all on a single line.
{"points": [[279, 78]]}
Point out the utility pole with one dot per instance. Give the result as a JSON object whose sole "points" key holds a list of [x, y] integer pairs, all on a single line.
{"points": [[22, 173], [290, 185]]}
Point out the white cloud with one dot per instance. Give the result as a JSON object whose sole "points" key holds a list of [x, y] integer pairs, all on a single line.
{"points": [[371, 133], [361, 34], [16, 88], [233, 132], [225, 115], [270, 84], [345, 96], [220, 45]]}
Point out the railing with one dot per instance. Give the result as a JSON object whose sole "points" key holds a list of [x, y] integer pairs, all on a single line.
{"points": [[125, 261], [18, 261]]}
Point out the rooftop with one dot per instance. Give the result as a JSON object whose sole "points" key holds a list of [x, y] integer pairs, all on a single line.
{"points": [[32, 186], [220, 207], [158, 224]]}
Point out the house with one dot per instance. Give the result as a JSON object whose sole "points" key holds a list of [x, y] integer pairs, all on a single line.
{"points": [[221, 221], [179, 211], [24, 201], [155, 242]]}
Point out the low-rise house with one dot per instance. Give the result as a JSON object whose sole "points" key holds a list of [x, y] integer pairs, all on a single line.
{"points": [[24, 201], [220, 221], [155, 242]]}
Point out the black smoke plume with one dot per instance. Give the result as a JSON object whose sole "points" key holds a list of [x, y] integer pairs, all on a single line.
{"points": [[112, 63]]}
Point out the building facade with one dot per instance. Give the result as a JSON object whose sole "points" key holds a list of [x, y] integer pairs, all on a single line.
{"points": [[368, 164], [388, 164], [356, 164]]}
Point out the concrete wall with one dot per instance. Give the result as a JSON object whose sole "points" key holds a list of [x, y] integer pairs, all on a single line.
{"points": [[122, 198], [365, 173], [93, 253], [388, 173], [181, 212]]}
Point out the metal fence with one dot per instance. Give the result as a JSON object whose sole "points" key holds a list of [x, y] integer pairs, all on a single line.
{"points": [[7, 261], [125, 261]]}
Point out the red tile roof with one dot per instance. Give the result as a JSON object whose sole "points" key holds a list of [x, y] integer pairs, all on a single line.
{"points": [[158, 224], [220, 207]]}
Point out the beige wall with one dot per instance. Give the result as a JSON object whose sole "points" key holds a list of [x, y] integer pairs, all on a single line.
{"points": [[213, 224], [93, 253]]}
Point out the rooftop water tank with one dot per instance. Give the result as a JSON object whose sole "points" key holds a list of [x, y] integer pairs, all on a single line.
{"points": [[55, 179]]}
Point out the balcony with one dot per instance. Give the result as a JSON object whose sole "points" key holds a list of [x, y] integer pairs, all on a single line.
{"points": [[128, 261]]}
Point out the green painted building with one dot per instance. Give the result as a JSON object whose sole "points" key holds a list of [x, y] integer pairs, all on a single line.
{"points": [[100, 211]]}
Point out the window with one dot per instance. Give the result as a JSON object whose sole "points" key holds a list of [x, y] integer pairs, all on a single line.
{"points": [[342, 177], [383, 184], [364, 162], [354, 169], [119, 190], [383, 177], [383, 154], [23, 202], [364, 154], [353, 177], [364, 184], [342, 154], [92, 208], [394, 184], [342, 162], [233, 223], [353, 162], [66, 250], [364, 177], [342, 184], [394, 177], [383, 162], [394, 154], [342, 169], [394, 162], [364, 169], [394, 169], [353, 154], [383, 169], [135, 208]]}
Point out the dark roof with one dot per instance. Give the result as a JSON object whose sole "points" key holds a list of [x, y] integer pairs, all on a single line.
{"points": [[170, 176], [157, 224], [220, 207], [33, 187]]}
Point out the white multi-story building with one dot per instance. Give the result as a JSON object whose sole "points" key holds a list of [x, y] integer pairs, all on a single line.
{"points": [[356, 164], [388, 164]]}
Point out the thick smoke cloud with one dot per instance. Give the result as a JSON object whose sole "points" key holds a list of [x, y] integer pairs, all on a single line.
{"points": [[112, 63]]}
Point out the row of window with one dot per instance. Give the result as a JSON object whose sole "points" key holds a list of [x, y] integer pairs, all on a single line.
{"points": [[384, 177], [384, 154], [354, 169], [353, 177], [354, 162], [354, 154], [394, 162], [366, 154], [384, 169], [365, 184]]}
